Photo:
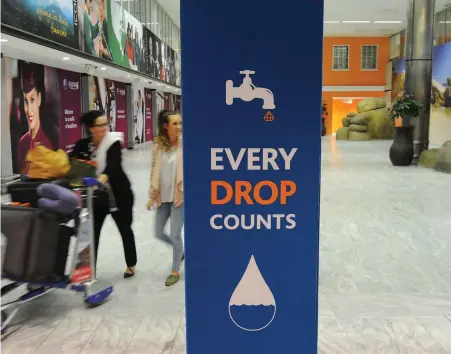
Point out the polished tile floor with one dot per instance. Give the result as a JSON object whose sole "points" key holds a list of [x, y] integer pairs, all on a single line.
{"points": [[385, 274]]}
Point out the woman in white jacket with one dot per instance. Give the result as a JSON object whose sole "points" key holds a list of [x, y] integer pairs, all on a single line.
{"points": [[166, 187], [139, 119]]}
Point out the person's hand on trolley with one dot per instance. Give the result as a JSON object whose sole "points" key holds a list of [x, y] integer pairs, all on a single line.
{"points": [[103, 179]]}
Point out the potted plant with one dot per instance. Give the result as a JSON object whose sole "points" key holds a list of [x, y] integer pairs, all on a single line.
{"points": [[404, 107], [323, 119]]}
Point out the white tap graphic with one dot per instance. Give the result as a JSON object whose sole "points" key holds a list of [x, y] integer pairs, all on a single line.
{"points": [[247, 91]]}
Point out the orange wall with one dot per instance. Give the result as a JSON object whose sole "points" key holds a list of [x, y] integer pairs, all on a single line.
{"points": [[352, 77], [355, 76], [340, 109], [335, 116]]}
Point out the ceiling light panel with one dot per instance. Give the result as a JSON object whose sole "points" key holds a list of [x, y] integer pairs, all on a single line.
{"points": [[358, 21], [363, 22], [387, 21]]}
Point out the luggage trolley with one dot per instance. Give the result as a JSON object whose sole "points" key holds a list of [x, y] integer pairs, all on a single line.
{"points": [[76, 241]]}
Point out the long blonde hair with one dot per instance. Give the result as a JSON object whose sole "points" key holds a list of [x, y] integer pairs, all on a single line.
{"points": [[162, 138]]}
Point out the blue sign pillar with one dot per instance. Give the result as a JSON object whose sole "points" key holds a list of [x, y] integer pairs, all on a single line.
{"points": [[252, 77]]}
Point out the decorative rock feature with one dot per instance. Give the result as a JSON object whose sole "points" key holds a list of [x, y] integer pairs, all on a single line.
{"points": [[358, 128], [371, 104], [380, 125], [428, 158], [438, 159], [444, 158], [358, 136], [361, 118], [342, 134], [372, 122]]}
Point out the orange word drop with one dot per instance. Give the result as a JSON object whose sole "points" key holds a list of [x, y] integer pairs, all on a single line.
{"points": [[244, 190]]}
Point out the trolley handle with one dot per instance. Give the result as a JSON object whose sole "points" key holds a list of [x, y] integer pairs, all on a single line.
{"points": [[6, 181], [10, 179], [91, 182], [87, 190]]}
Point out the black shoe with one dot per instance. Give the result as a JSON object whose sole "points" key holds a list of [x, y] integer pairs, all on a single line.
{"points": [[127, 274]]}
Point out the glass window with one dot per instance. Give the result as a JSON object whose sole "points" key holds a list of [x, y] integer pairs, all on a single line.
{"points": [[165, 21], [169, 31], [158, 23], [448, 26], [143, 11], [341, 57], [369, 57], [441, 22], [155, 17], [131, 7], [137, 10], [154, 13], [175, 44], [148, 14], [161, 23]]}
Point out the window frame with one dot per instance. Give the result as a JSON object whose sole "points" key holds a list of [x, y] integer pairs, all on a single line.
{"points": [[333, 56], [361, 57]]}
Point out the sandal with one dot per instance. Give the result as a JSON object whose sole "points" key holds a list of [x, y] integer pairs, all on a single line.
{"points": [[172, 279], [129, 272]]}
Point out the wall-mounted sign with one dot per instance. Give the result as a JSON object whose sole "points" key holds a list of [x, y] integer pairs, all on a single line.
{"points": [[56, 20]]}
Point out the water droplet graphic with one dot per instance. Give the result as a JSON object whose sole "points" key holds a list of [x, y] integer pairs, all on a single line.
{"points": [[252, 306]]}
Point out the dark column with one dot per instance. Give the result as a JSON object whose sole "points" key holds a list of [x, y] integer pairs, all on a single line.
{"points": [[130, 138], [84, 99], [154, 114], [171, 102], [419, 49]]}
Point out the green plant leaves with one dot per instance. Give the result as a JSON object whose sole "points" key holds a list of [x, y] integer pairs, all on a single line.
{"points": [[405, 106]]}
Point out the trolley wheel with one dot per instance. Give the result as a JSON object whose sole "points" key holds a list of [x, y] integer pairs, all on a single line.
{"points": [[91, 304], [97, 299]]}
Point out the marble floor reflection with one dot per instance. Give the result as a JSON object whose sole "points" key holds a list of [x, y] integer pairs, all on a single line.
{"points": [[385, 269]]}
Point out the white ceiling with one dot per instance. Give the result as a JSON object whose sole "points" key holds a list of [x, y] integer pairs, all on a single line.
{"points": [[368, 10], [347, 10], [20, 49], [335, 10], [172, 8]]}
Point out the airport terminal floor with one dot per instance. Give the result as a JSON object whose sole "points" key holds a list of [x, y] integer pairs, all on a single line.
{"points": [[384, 269]]}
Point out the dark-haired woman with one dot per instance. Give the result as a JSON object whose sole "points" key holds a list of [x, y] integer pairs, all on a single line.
{"points": [[105, 149], [32, 81], [166, 186]]}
